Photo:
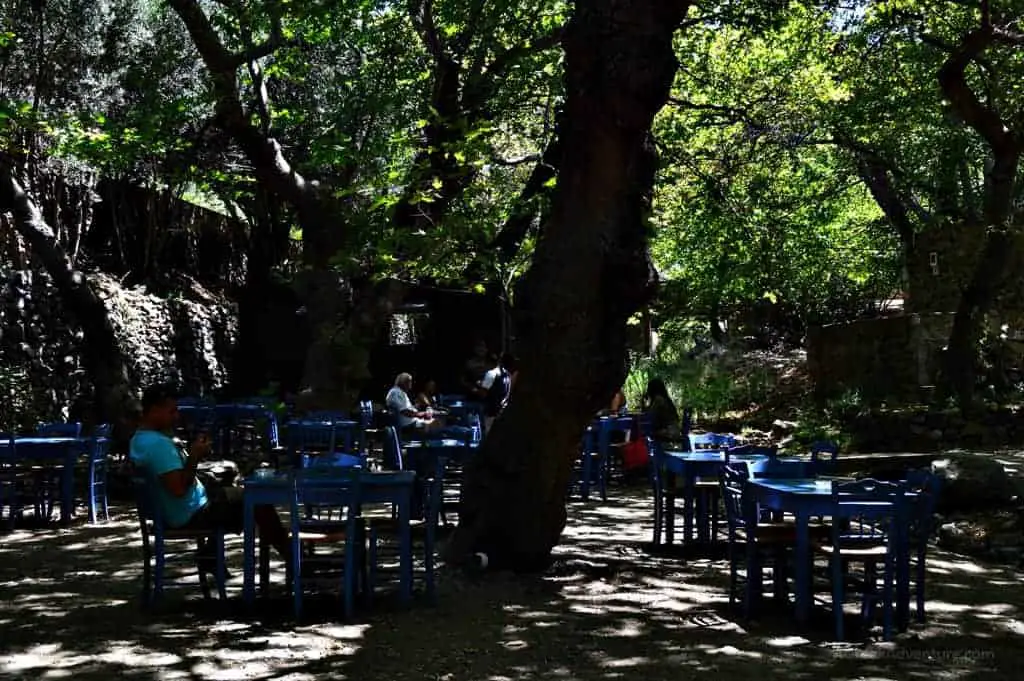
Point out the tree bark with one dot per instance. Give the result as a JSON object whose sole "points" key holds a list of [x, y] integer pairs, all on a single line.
{"points": [[327, 295], [528, 204], [590, 272], [1001, 245], [102, 352]]}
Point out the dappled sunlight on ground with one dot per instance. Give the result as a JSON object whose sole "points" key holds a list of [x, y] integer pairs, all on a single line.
{"points": [[609, 609]]}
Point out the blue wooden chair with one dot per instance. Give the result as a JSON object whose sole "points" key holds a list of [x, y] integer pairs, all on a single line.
{"points": [[393, 459], [921, 514], [308, 440], [710, 441], [155, 537], [334, 489], [592, 469], [657, 454], [96, 473], [47, 479], [824, 455], [431, 487], [869, 525], [11, 491], [751, 543], [708, 490]]}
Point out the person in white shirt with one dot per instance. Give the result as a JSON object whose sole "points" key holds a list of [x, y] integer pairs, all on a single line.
{"points": [[400, 406], [495, 387]]}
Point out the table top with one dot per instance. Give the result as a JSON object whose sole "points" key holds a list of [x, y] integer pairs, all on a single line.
{"points": [[817, 486], [713, 455], [19, 441], [366, 477], [320, 423], [439, 444]]}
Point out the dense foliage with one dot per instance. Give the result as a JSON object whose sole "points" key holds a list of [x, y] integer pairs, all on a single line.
{"points": [[805, 148]]}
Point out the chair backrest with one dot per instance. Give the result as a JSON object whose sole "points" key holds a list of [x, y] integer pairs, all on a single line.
{"points": [[145, 504], [59, 430], [824, 454], [321, 436], [771, 453], [732, 481], [699, 441], [100, 445], [926, 486], [366, 414], [876, 506], [392, 449], [645, 424], [773, 468], [326, 486], [656, 453], [449, 400]]}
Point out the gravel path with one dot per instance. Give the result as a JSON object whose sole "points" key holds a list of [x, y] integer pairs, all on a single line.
{"points": [[607, 610]]}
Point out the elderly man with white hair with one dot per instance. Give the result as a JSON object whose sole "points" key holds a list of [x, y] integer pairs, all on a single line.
{"points": [[400, 406]]}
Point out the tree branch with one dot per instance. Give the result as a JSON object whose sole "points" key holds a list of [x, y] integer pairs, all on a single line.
{"points": [[1002, 141], [421, 13], [264, 152], [485, 79]]}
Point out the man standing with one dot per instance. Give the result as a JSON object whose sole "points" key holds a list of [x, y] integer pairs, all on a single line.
{"points": [[495, 388]]}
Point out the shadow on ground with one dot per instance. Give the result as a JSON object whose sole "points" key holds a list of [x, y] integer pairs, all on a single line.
{"points": [[608, 609]]}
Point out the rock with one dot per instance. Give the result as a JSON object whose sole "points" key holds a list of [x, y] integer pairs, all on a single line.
{"points": [[782, 428], [953, 537], [971, 482]]}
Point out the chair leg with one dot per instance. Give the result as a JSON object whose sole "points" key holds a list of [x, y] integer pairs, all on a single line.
{"points": [[158, 571], [147, 574], [264, 566], [919, 586], [92, 497], [222, 573], [371, 560], [838, 575], [658, 511], [296, 582], [204, 584]]}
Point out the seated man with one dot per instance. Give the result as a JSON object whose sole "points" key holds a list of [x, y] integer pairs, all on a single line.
{"points": [[408, 420], [182, 499]]}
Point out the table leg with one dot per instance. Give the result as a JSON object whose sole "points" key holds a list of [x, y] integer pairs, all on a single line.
{"points": [[803, 567], [585, 476], [405, 540], [249, 552], [688, 500], [67, 487], [669, 494]]}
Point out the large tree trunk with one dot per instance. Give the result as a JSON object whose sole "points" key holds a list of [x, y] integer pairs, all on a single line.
{"points": [[267, 248], [1002, 246], [590, 272], [103, 357]]}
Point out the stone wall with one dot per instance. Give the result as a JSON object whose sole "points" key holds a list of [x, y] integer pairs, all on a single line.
{"points": [[187, 339], [932, 430], [883, 358]]}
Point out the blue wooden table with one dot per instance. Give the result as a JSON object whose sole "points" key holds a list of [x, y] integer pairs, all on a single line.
{"points": [[394, 487], [804, 498], [64, 451], [690, 466]]}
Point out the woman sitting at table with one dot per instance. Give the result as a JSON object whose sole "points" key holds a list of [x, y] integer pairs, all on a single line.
{"points": [[664, 417], [428, 399]]}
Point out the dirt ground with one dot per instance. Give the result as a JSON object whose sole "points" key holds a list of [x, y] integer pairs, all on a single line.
{"points": [[608, 609]]}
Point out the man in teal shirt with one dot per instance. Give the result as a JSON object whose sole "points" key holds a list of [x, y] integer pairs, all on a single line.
{"points": [[181, 498]]}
